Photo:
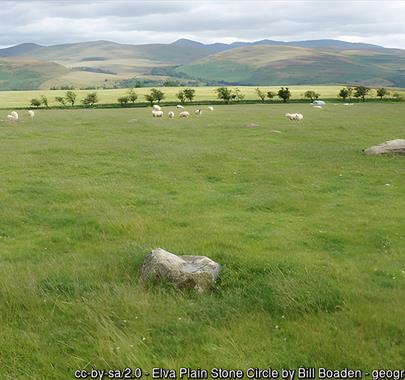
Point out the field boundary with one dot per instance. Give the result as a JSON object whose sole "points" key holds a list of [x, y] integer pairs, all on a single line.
{"points": [[202, 102]]}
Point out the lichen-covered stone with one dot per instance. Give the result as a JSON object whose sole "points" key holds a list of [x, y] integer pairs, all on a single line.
{"points": [[389, 147], [184, 272]]}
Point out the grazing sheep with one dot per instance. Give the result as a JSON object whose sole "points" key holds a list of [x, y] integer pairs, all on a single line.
{"points": [[170, 114], [157, 113], [294, 116], [179, 106], [184, 114], [31, 114], [156, 108], [211, 108], [198, 112], [11, 118]]}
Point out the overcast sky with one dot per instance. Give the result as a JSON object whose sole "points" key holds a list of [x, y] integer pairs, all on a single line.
{"points": [[51, 22]]}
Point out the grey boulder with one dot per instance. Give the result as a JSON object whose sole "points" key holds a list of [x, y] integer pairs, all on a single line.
{"points": [[184, 272], [389, 147]]}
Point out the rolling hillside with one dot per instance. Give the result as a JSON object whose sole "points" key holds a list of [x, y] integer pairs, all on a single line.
{"points": [[265, 62], [27, 73], [283, 65]]}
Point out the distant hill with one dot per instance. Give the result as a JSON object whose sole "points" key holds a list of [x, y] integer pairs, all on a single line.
{"points": [[264, 62], [22, 49], [27, 73]]}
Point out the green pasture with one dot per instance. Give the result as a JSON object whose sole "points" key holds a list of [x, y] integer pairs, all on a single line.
{"points": [[309, 231], [23, 98]]}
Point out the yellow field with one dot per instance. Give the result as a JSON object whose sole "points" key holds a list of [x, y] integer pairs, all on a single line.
{"points": [[10, 99]]}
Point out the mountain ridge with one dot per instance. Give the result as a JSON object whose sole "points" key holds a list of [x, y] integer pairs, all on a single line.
{"points": [[262, 62]]}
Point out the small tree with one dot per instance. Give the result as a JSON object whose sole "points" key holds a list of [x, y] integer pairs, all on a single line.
{"points": [[361, 92], [270, 94], [344, 93], [90, 99], [123, 100], [61, 100], [71, 97], [44, 101], [261, 94], [310, 94], [381, 92], [237, 94], [284, 93], [224, 93], [35, 102], [157, 94], [150, 98], [181, 96], [350, 91], [189, 94], [132, 96]]}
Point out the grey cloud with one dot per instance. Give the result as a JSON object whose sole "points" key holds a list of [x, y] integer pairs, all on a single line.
{"points": [[50, 22]]}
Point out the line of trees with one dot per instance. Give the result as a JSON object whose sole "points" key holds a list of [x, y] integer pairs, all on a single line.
{"points": [[130, 97], [360, 92], [223, 93], [69, 98]]}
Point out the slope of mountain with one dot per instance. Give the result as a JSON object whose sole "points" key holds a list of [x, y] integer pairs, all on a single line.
{"points": [[22, 49], [103, 63], [267, 64], [27, 74]]}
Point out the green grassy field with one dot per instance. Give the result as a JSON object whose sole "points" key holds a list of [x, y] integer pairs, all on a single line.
{"points": [[23, 98], [309, 231]]}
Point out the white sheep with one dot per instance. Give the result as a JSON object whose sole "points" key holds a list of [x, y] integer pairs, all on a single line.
{"points": [[11, 118], [170, 114], [184, 114], [156, 108], [211, 108], [198, 112], [179, 106], [31, 114], [157, 113], [320, 107], [294, 116]]}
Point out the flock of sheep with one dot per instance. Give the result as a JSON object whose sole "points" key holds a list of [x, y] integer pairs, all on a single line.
{"points": [[13, 116], [298, 116], [157, 112]]}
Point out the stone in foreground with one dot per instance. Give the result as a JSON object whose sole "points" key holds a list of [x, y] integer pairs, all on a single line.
{"points": [[184, 272], [388, 147]]}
